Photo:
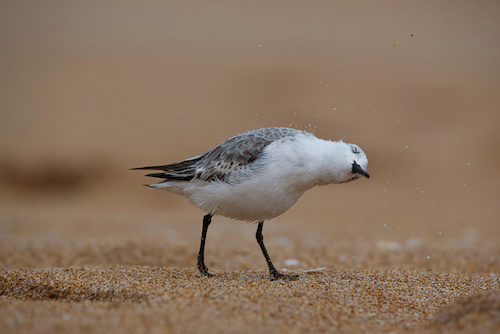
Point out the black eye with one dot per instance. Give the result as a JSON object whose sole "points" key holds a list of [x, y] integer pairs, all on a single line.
{"points": [[355, 149]]}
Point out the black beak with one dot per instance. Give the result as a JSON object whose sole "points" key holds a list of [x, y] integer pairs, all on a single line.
{"points": [[356, 169]]}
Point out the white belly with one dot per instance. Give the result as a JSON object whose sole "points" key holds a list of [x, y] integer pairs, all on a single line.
{"points": [[248, 201]]}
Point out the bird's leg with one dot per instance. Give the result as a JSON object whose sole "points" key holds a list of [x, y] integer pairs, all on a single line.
{"points": [[207, 219], [274, 273]]}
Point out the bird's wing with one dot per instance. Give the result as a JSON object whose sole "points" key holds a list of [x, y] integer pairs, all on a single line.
{"points": [[219, 163], [180, 171], [238, 152]]}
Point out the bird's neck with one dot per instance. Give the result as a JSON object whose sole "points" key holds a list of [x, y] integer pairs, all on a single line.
{"points": [[314, 162]]}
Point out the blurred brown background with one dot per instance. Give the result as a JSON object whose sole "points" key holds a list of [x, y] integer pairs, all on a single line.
{"points": [[90, 89]]}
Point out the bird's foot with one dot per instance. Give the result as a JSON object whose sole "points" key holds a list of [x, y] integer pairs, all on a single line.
{"points": [[204, 270], [276, 276]]}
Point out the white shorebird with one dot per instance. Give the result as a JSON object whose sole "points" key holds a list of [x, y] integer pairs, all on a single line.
{"points": [[258, 175]]}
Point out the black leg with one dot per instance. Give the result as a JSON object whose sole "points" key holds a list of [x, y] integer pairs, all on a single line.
{"points": [[274, 273], [207, 219]]}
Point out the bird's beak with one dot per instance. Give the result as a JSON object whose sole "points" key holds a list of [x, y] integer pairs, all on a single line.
{"points": [[356, 169]]}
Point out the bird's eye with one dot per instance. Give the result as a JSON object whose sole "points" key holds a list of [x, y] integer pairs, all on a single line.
{"points": [[355, 149]]}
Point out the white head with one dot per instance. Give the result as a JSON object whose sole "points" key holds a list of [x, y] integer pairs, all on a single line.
{"points": [[345, 162], [359, 162]]}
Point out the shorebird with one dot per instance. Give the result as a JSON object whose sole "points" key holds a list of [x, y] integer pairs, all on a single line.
{"points": [[258, 175]]}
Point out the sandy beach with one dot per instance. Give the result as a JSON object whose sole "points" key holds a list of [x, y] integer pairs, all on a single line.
{"points": [[90, 90]]}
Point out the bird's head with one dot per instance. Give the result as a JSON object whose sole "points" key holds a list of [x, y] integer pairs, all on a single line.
{"points": [[345, 162], [359, 162]]}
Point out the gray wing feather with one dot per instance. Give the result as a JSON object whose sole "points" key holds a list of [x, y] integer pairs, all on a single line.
{"points": [[219, 163], [238, 152]]}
